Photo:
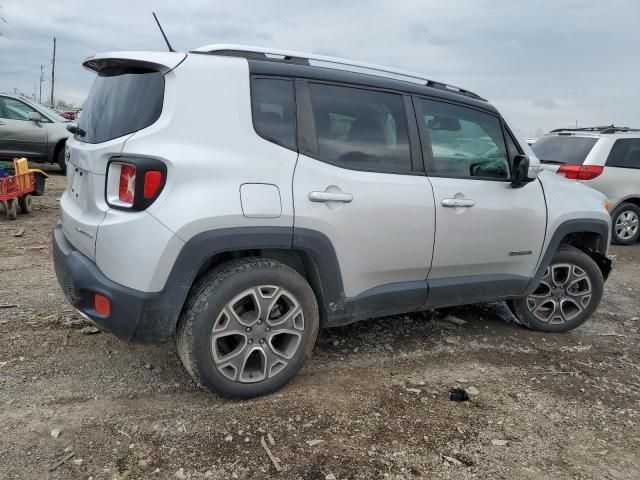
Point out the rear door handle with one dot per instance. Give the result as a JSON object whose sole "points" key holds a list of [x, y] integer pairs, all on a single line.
{"points": [[458, 202], [330, 197]]}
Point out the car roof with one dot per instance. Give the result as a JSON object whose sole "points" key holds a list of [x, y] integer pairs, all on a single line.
{"points": [[288, 63], [572, 133], [597, 131], [261, 67]]}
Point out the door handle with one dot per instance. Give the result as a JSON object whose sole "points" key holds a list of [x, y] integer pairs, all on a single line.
{"points": [[458, 202], [330, 197]]}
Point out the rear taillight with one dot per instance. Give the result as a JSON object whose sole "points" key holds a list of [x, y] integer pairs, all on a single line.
{"points": [[127, 184], [134, 183], [580, 172]]}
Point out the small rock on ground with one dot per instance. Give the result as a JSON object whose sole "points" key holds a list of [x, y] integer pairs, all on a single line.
{"points": [[455, 320], [90, 330], [472, 391]]}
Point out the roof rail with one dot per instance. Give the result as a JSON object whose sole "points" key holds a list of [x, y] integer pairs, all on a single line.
{"points": [[604, 129], [300, 58]]}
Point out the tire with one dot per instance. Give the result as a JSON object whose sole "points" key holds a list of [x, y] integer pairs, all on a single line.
{"points": [[12, 209], [573, 282], [246, 364], [60, 160], [625, 224], [26, 203]]}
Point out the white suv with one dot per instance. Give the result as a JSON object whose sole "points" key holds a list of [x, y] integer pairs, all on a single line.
{"points": [[238, 199], [604, 158]]}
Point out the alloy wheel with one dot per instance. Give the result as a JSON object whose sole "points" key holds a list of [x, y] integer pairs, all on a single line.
{"points": [[627, 224], [564, 292], [257, 333]]}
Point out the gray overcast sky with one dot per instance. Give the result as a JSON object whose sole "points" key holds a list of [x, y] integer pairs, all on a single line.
{"points": [[544, 63]]}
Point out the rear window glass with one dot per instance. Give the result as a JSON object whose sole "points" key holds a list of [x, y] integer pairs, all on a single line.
{"points": [[625, 153], [563, 149], [121, 102]]}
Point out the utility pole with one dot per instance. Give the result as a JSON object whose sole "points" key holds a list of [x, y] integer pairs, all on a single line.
{"points": [[53, 70], [41, 80]]}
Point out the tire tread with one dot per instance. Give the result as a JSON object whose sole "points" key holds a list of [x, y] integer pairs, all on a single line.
{"points": [[198, 299], [519, 308]]}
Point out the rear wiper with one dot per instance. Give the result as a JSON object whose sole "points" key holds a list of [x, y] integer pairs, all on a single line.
{"points": [[76, 130], [555, 162]]}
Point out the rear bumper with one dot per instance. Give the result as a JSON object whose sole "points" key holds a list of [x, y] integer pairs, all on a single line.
{"points": [[135, 316]]}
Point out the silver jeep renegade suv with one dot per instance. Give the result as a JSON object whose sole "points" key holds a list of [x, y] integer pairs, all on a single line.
{"points": [[238, 199]]}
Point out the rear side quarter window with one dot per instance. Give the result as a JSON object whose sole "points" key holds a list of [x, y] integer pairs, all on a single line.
{"points": [[625, 153], [273, 110]]}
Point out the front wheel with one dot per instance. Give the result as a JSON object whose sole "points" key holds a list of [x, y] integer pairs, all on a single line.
{"points": [[61, 160], [248, 327], [567, 296], [12, 209]]}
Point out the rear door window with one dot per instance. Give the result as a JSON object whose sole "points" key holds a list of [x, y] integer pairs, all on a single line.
{"points": [[360, 129], [625, 153], [121, 101], [563, 149], [273, 110]]}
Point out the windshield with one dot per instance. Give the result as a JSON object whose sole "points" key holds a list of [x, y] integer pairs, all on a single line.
{"points": [[121, 101], [564, 149]]}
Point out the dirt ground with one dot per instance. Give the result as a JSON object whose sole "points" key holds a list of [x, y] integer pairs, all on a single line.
{"points": [[371, 403]]}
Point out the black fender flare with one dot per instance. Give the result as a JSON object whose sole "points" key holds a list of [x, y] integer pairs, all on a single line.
{"points": [[164, 310], [599, 227]]}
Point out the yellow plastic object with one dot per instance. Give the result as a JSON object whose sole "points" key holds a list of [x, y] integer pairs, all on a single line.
{"points": [[37, 170], [21, 165]]}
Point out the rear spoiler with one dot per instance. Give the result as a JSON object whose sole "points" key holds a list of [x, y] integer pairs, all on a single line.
{"points": [[162, 62]]}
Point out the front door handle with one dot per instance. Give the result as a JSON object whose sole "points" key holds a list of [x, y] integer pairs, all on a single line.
{"points": [[458, 202], [330, 197]]}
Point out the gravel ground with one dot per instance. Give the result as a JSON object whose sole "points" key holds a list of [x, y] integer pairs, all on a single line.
{"points": [[371, 403]]}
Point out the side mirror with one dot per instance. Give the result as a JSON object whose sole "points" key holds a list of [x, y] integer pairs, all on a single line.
{"points": [[520, 176], [35, 117]]}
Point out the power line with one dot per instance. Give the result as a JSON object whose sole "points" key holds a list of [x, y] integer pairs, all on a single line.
{"points": [[20, 71], [15, 14]]}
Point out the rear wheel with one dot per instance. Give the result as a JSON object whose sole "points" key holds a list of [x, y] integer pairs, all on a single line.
{"points": [[248, 327], [567, 296], [625, 224]]}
